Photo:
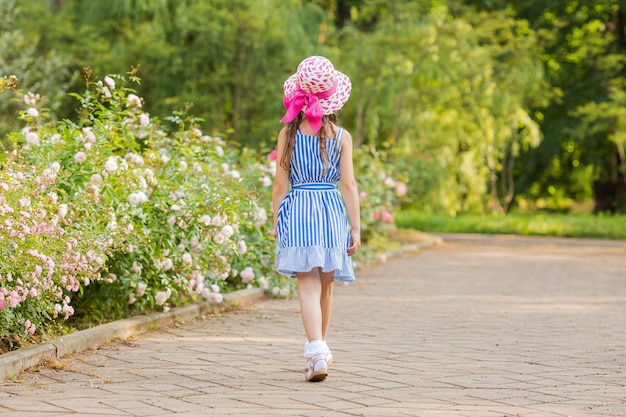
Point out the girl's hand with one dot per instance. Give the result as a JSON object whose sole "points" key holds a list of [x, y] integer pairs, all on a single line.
{"points": [[272, 233], [355, 242]]}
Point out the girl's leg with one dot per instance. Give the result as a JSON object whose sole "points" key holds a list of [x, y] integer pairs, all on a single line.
{"points": [[315, 289], [326, 300], [310, 293], [315, 305]]}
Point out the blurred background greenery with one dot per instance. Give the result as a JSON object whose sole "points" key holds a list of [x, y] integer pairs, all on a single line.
{"points": [[488, 106]]}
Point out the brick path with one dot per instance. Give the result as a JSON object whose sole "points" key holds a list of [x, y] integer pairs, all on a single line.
{"points": [[475, 327]]}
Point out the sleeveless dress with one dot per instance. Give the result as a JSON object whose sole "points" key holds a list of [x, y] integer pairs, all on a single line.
{"points": [[312, 226]]}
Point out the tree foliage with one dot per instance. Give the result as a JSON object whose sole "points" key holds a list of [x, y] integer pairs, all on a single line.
{"points": [[485, 103], [24, 55], [452, 91], [584, 54]]}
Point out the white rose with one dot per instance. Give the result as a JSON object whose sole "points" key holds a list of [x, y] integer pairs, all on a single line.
{"points": [[265, 181], [162, 296], [247, 275], [96, 179], [227, 231], [109, 82], [144, 120], [167, 264], [111, 165], [187, 258], [242, 248], [134, 100], [32, 138], [62, 210], [133, 199]]}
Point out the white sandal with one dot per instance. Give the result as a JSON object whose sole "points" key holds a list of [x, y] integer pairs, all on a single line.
{"points": [[329, 361], [316, 368], [325, 350]]}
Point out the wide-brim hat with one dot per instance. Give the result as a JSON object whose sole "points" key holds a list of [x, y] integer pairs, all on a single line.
{"points": [[317, 75]]}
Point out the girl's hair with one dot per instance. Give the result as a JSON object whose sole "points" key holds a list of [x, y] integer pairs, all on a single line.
{"points": [[326, 131]]}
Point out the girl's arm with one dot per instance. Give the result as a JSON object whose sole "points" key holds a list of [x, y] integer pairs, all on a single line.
{"points": [[350, 192], [281, 180]]}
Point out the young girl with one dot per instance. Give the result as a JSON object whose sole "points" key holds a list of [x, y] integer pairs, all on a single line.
{"points": [[314, 236]]}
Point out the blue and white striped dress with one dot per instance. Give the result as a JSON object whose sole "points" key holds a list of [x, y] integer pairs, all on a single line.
{"points": [[312, 225]]}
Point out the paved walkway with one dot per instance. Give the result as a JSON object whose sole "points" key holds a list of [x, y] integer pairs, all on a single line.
{"points": [[475, 327]]}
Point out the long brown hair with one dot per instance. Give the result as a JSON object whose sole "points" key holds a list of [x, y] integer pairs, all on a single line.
{"points": [[326, 131]]}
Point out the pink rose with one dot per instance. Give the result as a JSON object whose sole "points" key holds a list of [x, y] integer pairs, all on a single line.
{"points": [[386, 216], [141, 289], [401, 188], [96, 179], [219, 238], [215, 298], [247, 275], [272, 156]]}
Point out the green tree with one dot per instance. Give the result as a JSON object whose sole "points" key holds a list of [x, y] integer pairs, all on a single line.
{"points": [[439, 88], [23, 54], [229, 58], [451, 88], [584, 47]]}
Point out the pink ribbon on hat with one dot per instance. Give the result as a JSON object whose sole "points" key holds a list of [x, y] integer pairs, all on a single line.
{"points": [[314, 111]]}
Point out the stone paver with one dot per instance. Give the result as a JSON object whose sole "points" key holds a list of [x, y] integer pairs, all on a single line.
{"points": [[476, 327]]}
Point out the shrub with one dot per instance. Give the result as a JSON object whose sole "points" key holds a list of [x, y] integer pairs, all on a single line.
{"points": [[382, 190], [148, 216], [42, 258]]}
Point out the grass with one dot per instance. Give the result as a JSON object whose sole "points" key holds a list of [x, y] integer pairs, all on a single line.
{"points": [[560, 225]]}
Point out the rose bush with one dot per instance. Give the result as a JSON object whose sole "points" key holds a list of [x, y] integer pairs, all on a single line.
{"points": [[382, 188], [118, 212], [43, 259]]}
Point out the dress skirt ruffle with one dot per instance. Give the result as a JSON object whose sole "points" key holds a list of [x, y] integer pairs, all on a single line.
{"points": [[292, 260]]}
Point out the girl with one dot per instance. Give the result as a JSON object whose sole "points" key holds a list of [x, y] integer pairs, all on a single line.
{"points": [[316, 232]]}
